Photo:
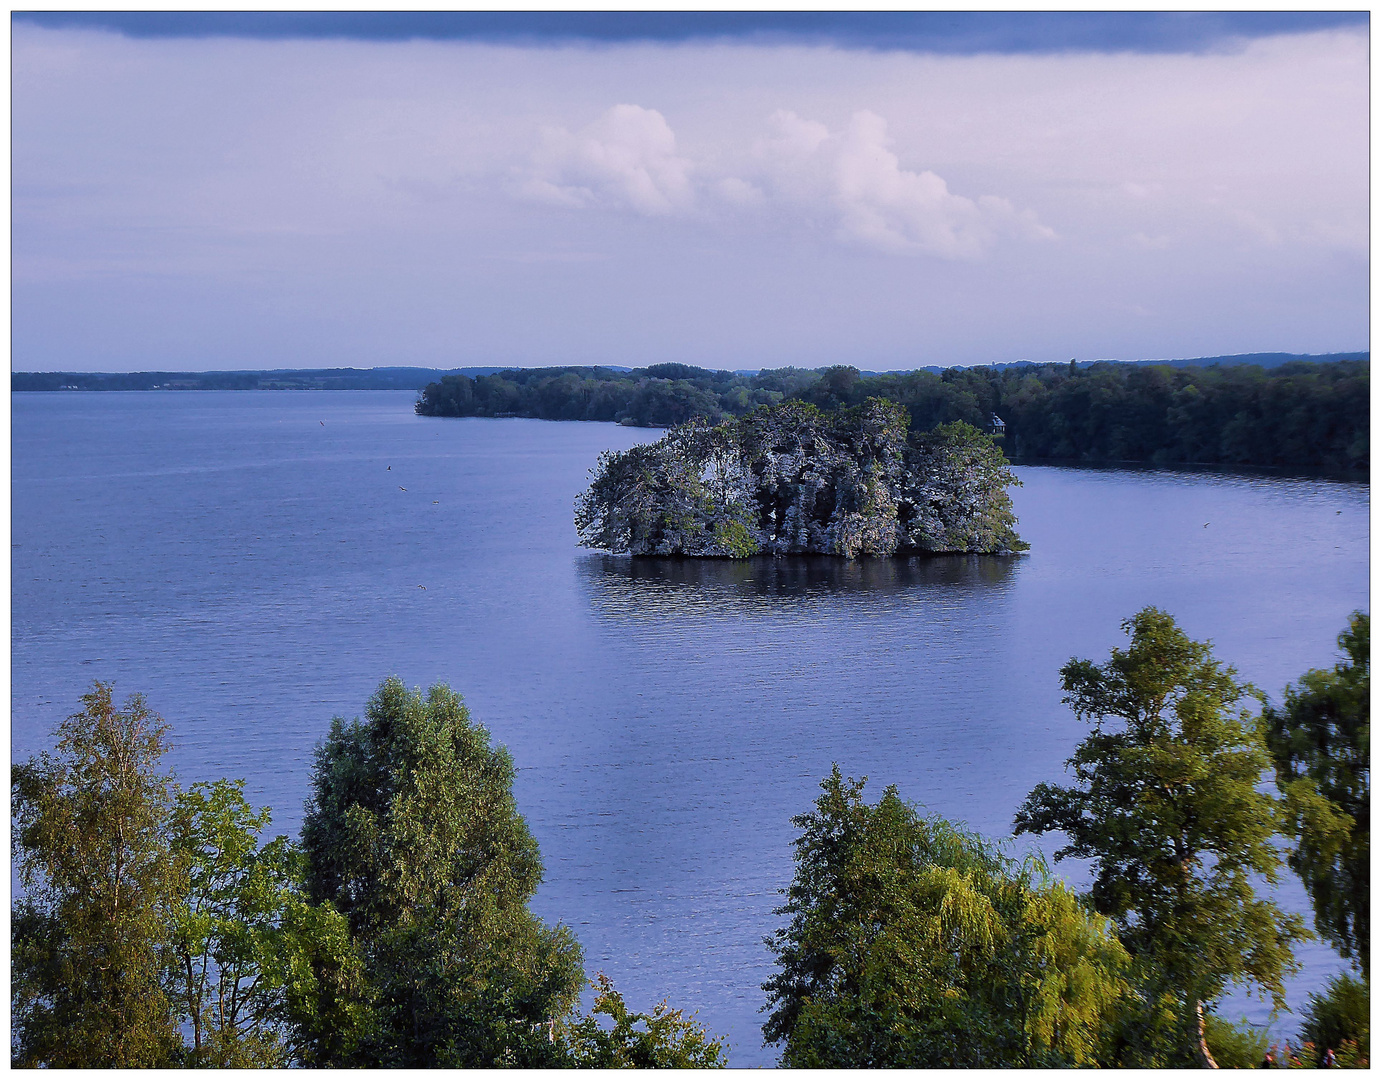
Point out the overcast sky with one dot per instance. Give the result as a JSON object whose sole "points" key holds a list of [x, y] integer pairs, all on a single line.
{"points": [[886, 191]]}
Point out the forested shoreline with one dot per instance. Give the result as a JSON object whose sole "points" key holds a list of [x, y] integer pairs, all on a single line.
{"points": [[1273, 412], [1301, 414]]}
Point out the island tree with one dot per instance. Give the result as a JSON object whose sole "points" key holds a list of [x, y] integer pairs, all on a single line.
{"points": [[1320, 743], [913, 944], [790, 479], [1167, 805]]}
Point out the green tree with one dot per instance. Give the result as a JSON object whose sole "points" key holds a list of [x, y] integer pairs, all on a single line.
{"points": [[1166, 804], [915, 944], [1320, 740], [1235, 1046], [90, 933], [959, 501], [413, 834], [664, 1039], [1341, 1016], [243, 939]]}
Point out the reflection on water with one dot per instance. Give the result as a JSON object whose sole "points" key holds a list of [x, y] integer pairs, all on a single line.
{"points": [[622, 586]]}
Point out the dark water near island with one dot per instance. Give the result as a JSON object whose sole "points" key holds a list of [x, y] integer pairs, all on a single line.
{"points": [[250, 562]]}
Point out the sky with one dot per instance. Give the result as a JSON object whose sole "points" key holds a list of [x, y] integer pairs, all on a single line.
{"points": [[195, 191]]}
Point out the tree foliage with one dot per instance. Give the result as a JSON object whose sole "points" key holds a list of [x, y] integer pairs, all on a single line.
{"points": [[242, 932], [413, 834], [1299, 414], [1339, 1017], [1320, 741], [1165, 802], [792, 479], [1235, 1046], [90, 934], [914, 944], [156, 927], [663, 1039]]}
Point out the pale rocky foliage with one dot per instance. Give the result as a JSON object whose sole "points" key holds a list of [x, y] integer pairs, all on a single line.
{"points": [[790, 479]]}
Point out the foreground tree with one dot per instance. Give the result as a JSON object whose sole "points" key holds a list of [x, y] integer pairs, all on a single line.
{"points": [[413, 834], [247, 949], [148, 913], [663, 1039], [914, 944], [1166, 804], [90, 934], [1320, 742], [1339, 1020]]}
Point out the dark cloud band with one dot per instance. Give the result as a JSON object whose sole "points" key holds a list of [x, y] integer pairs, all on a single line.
{"points": [[961, 33]]}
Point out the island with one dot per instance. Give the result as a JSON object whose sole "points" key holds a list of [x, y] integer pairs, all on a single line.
{"points": [[789, 479]]}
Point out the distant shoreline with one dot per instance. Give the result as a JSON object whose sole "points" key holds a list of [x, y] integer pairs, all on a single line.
{"points": [[417, 378]]}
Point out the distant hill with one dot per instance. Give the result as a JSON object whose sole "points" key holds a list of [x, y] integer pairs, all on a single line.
{"points": [[383, 378], [1261, 359], [417, 378]]}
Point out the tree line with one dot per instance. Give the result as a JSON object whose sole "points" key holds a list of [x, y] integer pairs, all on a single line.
{"points": [[156, 927], [380, 378], [1299, 414]]}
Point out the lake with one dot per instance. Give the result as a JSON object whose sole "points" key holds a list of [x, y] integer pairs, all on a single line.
{"points": [[257, 562]]}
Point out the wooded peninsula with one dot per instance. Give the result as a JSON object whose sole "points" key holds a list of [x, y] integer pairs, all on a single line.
{"points": [[1300, 414]]}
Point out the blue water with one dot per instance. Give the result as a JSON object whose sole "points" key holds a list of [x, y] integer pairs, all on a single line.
{"points": [[251, 562]]}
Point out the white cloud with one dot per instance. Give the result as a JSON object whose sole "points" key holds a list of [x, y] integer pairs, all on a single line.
{"points": [[738, 192], [874, 200], [625, 159], [628, 160], [201, 201]]}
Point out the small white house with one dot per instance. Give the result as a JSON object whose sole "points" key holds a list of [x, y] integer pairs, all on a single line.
{"points": [[995, 422]]}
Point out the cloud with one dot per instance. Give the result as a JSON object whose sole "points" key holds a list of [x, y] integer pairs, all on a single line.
{"points": [[962, 33], [625, 160], [875, 201], [628, 160], [198, 201]]}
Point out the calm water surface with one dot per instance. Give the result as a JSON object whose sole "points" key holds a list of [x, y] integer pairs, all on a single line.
{"points": [[258, 562]]}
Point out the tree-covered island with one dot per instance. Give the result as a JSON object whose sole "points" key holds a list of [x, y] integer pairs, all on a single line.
{"points": [[792, 479]]}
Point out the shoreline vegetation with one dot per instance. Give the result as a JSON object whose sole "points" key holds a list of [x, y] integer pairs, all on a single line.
{"points": [[1258, 410], [791, 479], [1300, 414], [156, 927]]}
